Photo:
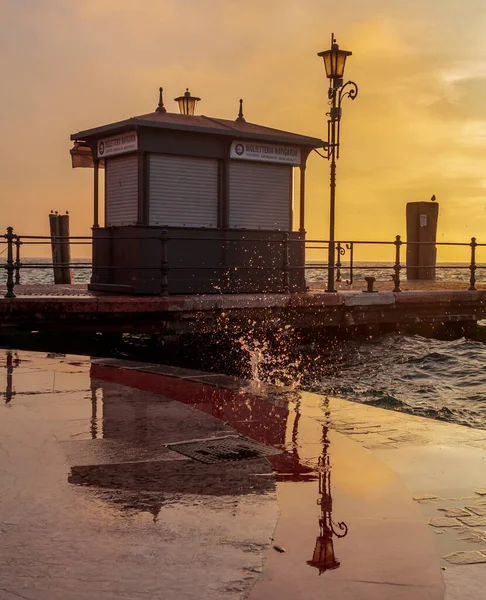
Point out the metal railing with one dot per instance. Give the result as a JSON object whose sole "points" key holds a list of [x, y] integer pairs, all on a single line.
{"points": [[343, 246], [14, 242]]}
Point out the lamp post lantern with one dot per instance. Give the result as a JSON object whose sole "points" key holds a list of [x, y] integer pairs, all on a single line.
{"points": [[334, 63]]}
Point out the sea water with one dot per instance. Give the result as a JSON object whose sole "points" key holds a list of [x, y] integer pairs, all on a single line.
{"points": [[435, 378], [380, 270], [441, 379]]}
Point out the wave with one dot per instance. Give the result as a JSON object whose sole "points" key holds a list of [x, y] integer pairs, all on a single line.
{"points": [[444, 380]]}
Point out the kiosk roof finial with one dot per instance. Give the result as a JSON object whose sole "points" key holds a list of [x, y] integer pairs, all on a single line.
{"points": [[161, 108], [240, 118]]}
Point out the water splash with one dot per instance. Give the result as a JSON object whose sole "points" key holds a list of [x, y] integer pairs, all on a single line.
{"points": [[439, 379], [272, 360]]}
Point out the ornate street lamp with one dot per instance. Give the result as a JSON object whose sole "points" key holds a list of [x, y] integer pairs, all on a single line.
{"points": [[187, 103], [334, 62]]}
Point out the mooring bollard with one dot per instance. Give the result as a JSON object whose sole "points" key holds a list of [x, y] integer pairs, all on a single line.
{"points": [[164, 264], [65, 249], [370, 281], [472, 266], [56, 246], [397, 267], [10, 265]]}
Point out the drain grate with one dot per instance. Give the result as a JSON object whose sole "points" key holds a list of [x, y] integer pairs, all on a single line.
{"points": [[229, 448]]}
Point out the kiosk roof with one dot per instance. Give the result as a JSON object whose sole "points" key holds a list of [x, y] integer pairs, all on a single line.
{"points": [[202, 124]]}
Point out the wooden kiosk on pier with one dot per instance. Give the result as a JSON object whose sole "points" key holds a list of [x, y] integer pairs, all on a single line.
{"points": [[194, 204]]}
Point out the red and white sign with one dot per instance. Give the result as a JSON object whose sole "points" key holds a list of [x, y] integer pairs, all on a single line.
{"points": [[118, 144]]}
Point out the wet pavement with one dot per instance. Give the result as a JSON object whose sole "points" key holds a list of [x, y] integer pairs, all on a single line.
{"points": [[127, 480]]}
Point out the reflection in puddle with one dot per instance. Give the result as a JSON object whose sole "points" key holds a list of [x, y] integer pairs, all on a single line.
{"points": [[323, 557], [127, 462], [309, 470], [277, 424], [12, 361], [96, 410]]}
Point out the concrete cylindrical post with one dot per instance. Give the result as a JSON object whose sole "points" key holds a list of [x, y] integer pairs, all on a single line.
{"points": [[65, 248], [422, 220]]}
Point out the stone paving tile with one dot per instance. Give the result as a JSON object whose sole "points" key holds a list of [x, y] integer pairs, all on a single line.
{"points": [[381, 446], [172, 477], [106, 451], [480, 492], [172, 371], [468, 557], [444, 522], [459, 526], [371, 438], [222, 381], [465, 582], [477, 510], [471, 535], [477, 444], [425, 497], [455, 512], [473, 521], [411, 438]]}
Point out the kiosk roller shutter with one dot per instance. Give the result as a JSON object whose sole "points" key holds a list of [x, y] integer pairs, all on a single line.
{"points": [[183, 191], [121, 190], [260, 195]]}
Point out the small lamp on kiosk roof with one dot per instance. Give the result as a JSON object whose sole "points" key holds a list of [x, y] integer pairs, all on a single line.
{"points": [[187, 103], [334, 62]]}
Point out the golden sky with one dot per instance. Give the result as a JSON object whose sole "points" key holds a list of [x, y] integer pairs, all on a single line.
{"points": [[417, 128]]}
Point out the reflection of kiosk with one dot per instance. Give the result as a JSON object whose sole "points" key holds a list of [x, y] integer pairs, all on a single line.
{"points": [[195, 204]]}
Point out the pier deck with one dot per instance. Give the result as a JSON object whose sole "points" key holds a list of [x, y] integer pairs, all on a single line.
{"points": [[71, 308], [98, 489]]}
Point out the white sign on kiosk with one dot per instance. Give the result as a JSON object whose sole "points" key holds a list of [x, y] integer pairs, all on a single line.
{"points": [[265, 152], [118, 144]]}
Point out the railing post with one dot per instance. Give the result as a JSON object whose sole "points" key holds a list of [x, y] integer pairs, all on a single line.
{"points": [[286, 262], [397, 267], [350, 247], [18, 264], [340, 252], [10, 266], [472, 266], [164, 264]]}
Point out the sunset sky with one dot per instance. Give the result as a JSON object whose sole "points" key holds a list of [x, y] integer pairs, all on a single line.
{"points": [[417, 128]]}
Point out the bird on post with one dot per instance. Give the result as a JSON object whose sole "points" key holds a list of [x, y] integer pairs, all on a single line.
{"points": [[433, 198]]}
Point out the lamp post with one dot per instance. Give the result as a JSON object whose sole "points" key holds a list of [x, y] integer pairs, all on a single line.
{"points": [[334, 62]]}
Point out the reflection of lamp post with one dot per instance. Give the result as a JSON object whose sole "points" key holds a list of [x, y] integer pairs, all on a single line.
{"points": [[11, 363], [334, 61], [323, 557], [187, 103]]}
